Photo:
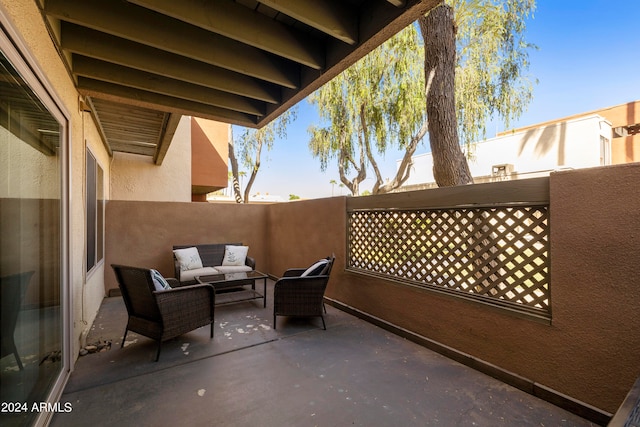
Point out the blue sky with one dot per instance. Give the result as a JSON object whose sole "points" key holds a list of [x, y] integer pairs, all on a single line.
{"points": [[587, 59]]}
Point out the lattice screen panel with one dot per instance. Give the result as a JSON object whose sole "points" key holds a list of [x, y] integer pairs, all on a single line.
{"points": [[497, 253]]}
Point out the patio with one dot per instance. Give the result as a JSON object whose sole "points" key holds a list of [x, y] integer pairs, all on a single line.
{"points": [[354, 373]]}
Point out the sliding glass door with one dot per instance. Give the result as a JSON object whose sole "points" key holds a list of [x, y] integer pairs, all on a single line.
{"points": [[32, 140]]}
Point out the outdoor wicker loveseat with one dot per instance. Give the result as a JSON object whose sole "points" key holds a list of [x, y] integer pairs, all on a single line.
{"points": [[191, 261]]}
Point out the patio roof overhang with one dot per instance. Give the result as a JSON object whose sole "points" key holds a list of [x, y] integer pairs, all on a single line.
{"points": [[140, 65]]}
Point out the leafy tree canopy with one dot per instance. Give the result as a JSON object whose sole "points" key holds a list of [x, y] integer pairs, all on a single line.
{"points": [[248, 148], [380, 101]]}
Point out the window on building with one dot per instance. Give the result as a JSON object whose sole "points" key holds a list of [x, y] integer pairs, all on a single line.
{"points": [[95, 212]]}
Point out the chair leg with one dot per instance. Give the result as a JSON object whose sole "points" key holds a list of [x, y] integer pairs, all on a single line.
{"points": [[274, 321], [124, 338], [158, 353], [15, 354], [211, 330], [324, 326]]}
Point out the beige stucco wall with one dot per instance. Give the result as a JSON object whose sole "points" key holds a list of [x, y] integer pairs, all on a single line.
{"points": [[29, 173], [86, 294], [135, 177]]}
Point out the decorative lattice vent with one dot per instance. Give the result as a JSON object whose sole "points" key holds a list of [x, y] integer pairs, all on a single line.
{"points": [[500, 254]]}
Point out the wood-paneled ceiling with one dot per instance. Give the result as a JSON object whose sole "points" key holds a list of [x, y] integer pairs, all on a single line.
{"points": [[141, 64]]}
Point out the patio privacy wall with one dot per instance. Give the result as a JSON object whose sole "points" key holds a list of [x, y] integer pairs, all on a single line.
{"points": [[590, 349]]}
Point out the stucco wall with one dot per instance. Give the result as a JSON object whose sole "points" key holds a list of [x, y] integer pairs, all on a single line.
{"points": [[301, 232], [210, 151], [142, 234], [135, 177], [624, 149], [591, 349], [589, 352]]}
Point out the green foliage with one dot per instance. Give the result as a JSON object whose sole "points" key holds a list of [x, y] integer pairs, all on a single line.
{"points": [[251, 142], [249, 147], [492, 61], [377, 102], [294, 197]]}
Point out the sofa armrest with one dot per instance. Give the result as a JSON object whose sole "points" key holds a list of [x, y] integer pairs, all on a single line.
{"points": [[251, 262], [176, 268]]}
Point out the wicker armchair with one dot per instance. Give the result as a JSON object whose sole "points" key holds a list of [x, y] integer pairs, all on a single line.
{"points": [[300, 295], [166, 314]]}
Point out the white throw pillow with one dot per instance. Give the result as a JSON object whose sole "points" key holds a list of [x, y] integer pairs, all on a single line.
{"points": [[159, 281], [315, 269], [188, 258], [235, 255]]}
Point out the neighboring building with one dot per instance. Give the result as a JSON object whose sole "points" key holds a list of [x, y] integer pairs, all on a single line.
{"points": [[209, 156], [198, 146], [599, 138], [625, 124]]}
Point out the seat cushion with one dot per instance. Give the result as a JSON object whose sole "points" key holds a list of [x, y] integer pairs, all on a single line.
{"points": [[188, 275], [233, 268], [316, 269]]}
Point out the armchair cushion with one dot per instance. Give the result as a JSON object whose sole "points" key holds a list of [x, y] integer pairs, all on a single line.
{"points": [[188, 258], [159, 281], [316, 269], [235, 255]]}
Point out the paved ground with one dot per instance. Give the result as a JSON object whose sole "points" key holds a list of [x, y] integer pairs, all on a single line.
{"points": [[353, 373]]}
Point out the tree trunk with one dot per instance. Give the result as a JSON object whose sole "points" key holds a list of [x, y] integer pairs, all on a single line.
{"points": [[234, 172], [439, 33], [254, 172]]}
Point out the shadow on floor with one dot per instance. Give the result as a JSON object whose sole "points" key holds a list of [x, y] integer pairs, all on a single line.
{"points": [[249, 374]]}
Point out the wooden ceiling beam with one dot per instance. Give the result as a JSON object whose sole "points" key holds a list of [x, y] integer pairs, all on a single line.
{"points": [[168, 130], [244, 25], [124, 76], [143, 26], [140, 98], [95, 44], [332, 17]]}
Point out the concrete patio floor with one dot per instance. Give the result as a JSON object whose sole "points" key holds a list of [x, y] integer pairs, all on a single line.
{"points": [[249, 374]]}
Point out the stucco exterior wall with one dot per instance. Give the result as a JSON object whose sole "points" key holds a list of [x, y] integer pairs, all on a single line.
{"points": [[301, 232], [210, 151], [142, 234], [135, 177], [624, 149], [26, 19], [590, 351]]}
